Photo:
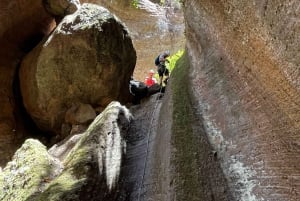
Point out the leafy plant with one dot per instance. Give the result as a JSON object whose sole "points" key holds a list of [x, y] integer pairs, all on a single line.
{"points": [[172, 62], [173, 59]]}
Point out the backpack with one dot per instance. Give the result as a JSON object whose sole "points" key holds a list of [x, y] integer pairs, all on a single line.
{"points": [[157, 61]]}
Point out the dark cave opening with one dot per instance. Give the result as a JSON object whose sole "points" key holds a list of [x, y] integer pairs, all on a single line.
{"points": [[31, 42]]}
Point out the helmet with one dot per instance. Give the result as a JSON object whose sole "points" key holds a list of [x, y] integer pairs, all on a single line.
{"points": [[151, 71], [167, 52]]}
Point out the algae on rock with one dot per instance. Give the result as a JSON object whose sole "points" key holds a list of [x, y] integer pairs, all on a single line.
{"points": [[91, 168], [28, 172]]}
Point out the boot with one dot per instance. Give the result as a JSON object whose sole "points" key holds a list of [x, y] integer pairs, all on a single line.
{"points": [[166, 81]]}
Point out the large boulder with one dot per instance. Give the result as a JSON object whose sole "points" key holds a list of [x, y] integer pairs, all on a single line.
{"points": [[80, 114], [89, 59], [91, 163]]}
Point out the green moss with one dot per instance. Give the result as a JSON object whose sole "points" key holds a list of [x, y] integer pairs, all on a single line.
{"points": [[184, 140], [45, 178], [62, 188], [79, 163], [24, 175], [67, 186], [28, 176]]}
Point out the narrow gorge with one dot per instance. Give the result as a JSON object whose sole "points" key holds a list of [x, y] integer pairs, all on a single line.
{"points": [[227, 127]]}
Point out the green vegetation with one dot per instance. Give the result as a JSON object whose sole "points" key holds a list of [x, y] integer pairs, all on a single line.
{"points": [[135, 3], [172, 62], [24, 176], [65, 187], [186, 143], [173, 59], [69, 184], [35, 175], [29, 176]]}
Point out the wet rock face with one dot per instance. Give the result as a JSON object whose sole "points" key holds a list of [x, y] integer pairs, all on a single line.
{"points": [[89, 58], [245, 63], [81, 168]]}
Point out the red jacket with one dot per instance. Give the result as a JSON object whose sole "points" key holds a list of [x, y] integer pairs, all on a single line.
{"points": [[150, 81]]}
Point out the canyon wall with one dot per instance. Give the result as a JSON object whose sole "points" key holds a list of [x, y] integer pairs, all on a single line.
{"points": [[243, 81], [244, 75]]}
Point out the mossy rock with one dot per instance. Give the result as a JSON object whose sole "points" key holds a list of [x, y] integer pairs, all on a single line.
{"points": [[28, 173], [89, 171]]}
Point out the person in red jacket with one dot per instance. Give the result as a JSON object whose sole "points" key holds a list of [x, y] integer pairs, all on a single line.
{"points": [[150, 80]]}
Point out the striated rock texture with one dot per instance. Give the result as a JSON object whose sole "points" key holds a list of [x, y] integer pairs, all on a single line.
{"points": [[89, 58], [244, 58], [82, 168], [22, 25]]}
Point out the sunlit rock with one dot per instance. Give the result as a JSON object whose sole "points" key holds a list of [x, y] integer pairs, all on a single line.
{"points": [[94, 160], [29, 172], [89, 58], [91, 163], [61, 8], [62, 149]]}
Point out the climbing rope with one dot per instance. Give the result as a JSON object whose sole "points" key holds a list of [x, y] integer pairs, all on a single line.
{"points": [[152, 118], [147, 147]]}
